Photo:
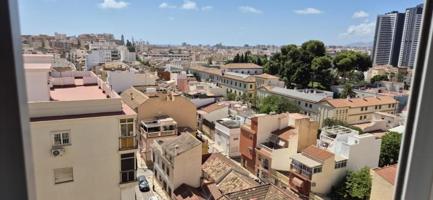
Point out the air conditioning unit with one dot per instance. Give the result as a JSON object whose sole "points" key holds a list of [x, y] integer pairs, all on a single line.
{"points": [[57, 151]]}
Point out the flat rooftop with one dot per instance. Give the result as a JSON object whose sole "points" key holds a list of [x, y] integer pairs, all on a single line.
{"points": [[77, 92]]}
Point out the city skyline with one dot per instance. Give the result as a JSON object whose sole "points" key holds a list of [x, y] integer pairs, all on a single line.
{"points": [[211, 22]]}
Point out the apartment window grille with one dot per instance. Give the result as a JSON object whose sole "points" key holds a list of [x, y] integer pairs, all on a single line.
{"points": [[127, 127], [63, 175], [61, 138]]}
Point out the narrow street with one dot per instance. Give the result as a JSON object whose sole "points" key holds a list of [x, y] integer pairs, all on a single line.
{"points": [[142, 170]]}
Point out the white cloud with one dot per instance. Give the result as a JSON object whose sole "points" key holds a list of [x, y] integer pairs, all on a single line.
{"points": [[308, 11], [113, 4], [360, 30], [166, 5], [360, 14], [189, 5], [205, 8], [249, 9]]}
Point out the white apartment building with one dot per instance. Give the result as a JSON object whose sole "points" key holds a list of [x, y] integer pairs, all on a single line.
{"points": [[82, 136], [97, 57], [243, 68], [177, 161], [125, 55], [360, 150], [122, 80], [227, 139]]}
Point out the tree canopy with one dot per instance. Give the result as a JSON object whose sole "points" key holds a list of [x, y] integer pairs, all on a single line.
{"points": [[355, 186], [309, 66], [378, 78], [389, 149], [347, 91], [276, 104]]}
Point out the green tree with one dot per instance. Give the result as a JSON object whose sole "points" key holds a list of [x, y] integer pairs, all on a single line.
{"points": [[276, 104], [389, 149], [378, 78], [347, 61], [237, 58], [321, 71], [347, 91], [355, 186], [231, 96], [315, 48]]}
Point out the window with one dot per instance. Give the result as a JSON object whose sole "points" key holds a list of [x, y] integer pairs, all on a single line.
{"points": [[251, 86], [63, 175], [127, 127], [360, 117], [127, 167], [61, 138], [317, 170], [340, 164]]}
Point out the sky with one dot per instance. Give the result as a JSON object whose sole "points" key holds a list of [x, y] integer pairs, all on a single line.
{"points": [[230, 22]]}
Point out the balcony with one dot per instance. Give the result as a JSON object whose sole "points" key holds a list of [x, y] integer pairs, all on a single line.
{"points": [[127, 176], [127, 143], [303, 172]]}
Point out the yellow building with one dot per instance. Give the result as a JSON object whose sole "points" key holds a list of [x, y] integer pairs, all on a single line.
{"points": [[383, 182], [357, 110]]}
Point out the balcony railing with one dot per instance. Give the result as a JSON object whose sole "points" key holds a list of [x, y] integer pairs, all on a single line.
{"points": [[127, 143], [127, 176]]}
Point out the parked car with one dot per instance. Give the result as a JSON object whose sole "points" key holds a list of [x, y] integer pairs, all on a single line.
{"points": [[143, 185]]}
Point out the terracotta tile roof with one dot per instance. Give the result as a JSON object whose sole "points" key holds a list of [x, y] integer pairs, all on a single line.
{"points": [[316, 153], [285, 133], [388, 173], [213, 107], [242, 66], [267, 76], [186, 192], [235, 181], [262, 192], [359, 102]]}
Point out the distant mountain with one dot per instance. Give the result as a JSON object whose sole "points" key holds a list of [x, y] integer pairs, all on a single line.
{"points": [[360, 44]]}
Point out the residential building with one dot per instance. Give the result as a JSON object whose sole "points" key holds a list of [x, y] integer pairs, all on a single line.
{"points": [[221, 175], [260, 128], [387, 39], [360, 150], [242, 68], [273, 155], [157, 110], [357, 110], [207, 116], [182, 81], [126, 55], [177, 161], [239, 84], [150, 103], [309, 101], [96, 57], [227, 133], [121, 80], [81, 131], [410, 37], [383, 182], [315, 170], [155, 128], [268, 80]]}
